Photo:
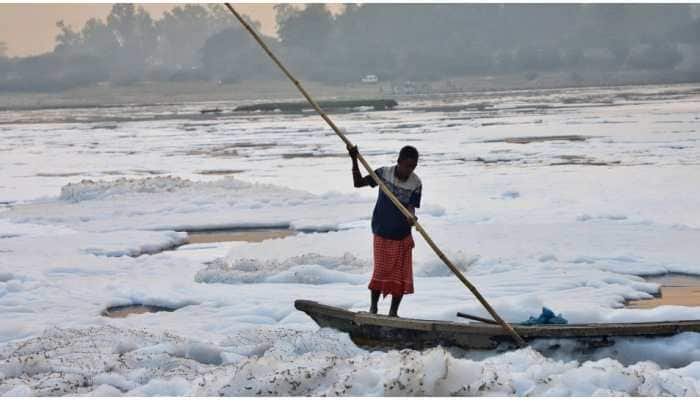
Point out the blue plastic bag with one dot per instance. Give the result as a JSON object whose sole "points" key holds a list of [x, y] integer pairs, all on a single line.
{"points": [[546, 318]]}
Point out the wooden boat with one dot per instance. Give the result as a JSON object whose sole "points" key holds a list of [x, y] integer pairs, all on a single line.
{"points": [[299, 106], [372, 330], [216, 110]]}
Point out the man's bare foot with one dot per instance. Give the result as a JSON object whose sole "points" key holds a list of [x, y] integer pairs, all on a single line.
{"points": [[393, 314], [373, 310]]}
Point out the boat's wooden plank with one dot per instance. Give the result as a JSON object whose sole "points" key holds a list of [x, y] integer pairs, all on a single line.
{"points": [[477, 318], [627, 329], [311, 307], [363, 318], [472, 329]]}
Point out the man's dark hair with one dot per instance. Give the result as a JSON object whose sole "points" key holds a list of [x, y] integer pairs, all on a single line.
{"points": [[408, 152]]}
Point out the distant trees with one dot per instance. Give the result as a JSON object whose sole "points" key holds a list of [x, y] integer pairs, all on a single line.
{"points": [[393, 41], [136, 40], [183, 31], [304, 35], [427, 41], [4, 61], [133, 46], [307, 28], [656, 56], [124, 44], [230, 56], [686, 33], [51, 72], [127, 47]]}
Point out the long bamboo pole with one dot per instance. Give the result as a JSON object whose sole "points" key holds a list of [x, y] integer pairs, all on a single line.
{"points": [[382, 186]]}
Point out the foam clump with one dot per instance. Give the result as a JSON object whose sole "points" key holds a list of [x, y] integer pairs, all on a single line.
{"points": [[167, 202], [163, 387], [88, 189], [436, 267], [279, 361], [200, 352], [311, 268]]}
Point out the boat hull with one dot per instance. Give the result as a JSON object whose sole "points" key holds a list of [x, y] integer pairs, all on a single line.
{"points": [[372, 330]]}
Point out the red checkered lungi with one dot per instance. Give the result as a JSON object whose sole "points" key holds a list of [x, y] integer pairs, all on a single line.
{"points": [[393, 266]]}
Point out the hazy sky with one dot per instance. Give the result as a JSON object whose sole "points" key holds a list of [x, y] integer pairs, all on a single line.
{"points": [[31, 28]]}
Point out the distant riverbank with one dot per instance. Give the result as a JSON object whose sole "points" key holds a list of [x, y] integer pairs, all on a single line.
{"points": [[158, 93]]}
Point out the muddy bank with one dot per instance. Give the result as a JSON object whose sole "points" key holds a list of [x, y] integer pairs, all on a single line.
{"points": [[676, 289], [247, 235]]}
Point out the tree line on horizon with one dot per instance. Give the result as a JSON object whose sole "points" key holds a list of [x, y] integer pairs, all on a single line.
{"points": [[397, 42]]}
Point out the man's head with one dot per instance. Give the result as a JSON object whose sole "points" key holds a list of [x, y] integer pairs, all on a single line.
{"points": [[408, 160]]}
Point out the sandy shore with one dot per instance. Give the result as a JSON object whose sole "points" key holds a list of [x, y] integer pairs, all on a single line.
{"points": [[683, 290], [151, 93], [125, 312], [253, 235]]}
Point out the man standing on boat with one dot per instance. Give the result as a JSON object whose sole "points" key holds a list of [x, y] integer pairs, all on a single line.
{"points": [[393, 243]]}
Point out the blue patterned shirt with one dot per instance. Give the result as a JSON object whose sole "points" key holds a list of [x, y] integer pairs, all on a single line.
{"points": [[387, 221]]}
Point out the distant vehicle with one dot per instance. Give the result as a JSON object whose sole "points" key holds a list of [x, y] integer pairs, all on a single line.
{"points": [[370, 79]]}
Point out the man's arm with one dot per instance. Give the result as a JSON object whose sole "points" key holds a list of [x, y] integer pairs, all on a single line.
{"points": [[357, 179], [411, 221], [414, 202]]}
